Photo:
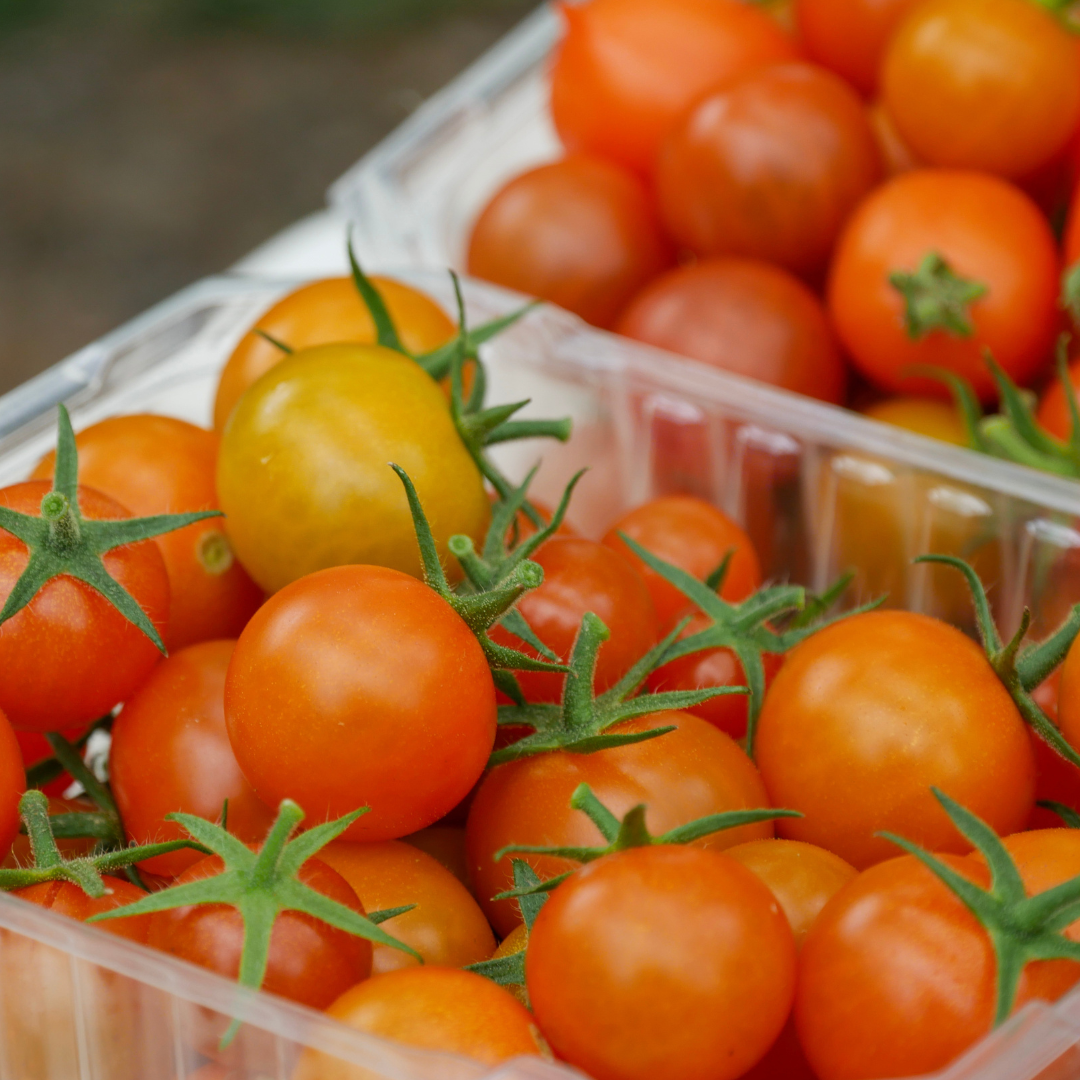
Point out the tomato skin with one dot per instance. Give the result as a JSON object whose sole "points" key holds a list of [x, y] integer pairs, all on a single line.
{"points": [[581, 233], [445, 843], [694, 536], [627, 70], [849, 36], [436, 1008], [1068, 698], [685, 774], [769, 166], [159, 465], [446, 927], [12, 785], [171, 753], [743, 316], [1053, 413], [868, 714], [359, 686], [310, 961], [69, 656], [982, 84], [661, 963], [66, 898], [987, 231], [323, 313]]}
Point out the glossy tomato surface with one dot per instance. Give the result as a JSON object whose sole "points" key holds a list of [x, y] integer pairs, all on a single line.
{"points": [[359, 686], [66, 898], [69, 656], [581, 233], [743, 316]]}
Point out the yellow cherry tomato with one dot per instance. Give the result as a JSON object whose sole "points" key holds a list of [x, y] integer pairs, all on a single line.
{"points": [[923, 416]]}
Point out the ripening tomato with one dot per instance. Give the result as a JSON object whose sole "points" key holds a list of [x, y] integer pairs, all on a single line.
{"points": [[694, 536], [12, 785], [303, 473], [359, 686], [171, 753], [310, 962], [581, 233], [66, 898], [990, 236], [849, 36], [69, 656], [456, 1012], [579, 576], [627, 70], [528, 801], [869, 713], [924, 416], [160, 465], [769, 166], [324, 313], [992, 85], [660, 963], [743, 316], [446, 927]]}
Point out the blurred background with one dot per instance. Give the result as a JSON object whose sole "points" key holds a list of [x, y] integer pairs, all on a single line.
{"points": [[146, 143]]}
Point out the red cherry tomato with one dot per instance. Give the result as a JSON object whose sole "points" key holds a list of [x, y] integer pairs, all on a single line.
{"points": [[69, 656], [171, 753], [742, 316], [581, 233], [159, 465], [66, 898], [694, 536], [580, 576], [661, 961], [627, 70], [310, 961], [769, 166], [359, 686], [12, 785], [989, 234]]}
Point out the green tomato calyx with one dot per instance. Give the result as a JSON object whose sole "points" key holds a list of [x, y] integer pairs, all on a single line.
{"points": [[935, 298]]}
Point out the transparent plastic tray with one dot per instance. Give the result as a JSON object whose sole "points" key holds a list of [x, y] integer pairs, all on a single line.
{"points": [[818, 496]]}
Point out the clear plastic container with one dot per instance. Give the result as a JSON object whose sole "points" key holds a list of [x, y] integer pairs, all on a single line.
{"points": [[819, 490]]}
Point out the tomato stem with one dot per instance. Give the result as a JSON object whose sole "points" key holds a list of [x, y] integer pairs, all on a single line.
{"points": [[1067, 814], [935, 298]]}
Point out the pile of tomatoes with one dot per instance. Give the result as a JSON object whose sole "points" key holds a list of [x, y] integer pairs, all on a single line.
{"points": [[844, 198], [391, 739]]}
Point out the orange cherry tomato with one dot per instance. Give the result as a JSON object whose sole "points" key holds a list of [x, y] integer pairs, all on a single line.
{"points": [[694, 536], [1054, 413], [802, 877], [661, 961], [769, 166], [171, 753], [581, 233], [66, 898], [869, 713], [327, 312], [528, 801], [446, 927], [456, 1012], [743, 316], [627, 70], [159, 465], [989, 234], [924, 416], [982, 84]]}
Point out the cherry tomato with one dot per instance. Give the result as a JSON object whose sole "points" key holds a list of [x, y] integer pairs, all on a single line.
{"points": [[158, 465], [446, 927], [69, 656], [924, 416], [581, 233], [310, 961], [802, 877], [742, 316], [661, 961], [982, 84], [694, 536], [324, 313], [1056, 779], [171, 753], [869, 713], [988, 234], [359, 686], [528, 801], [1054, 413], [12, 785], [768, 166], [579, 576], [627, 70], [446, 845], [66, 898], [303, 473], [849, 36], [35, 748]]}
